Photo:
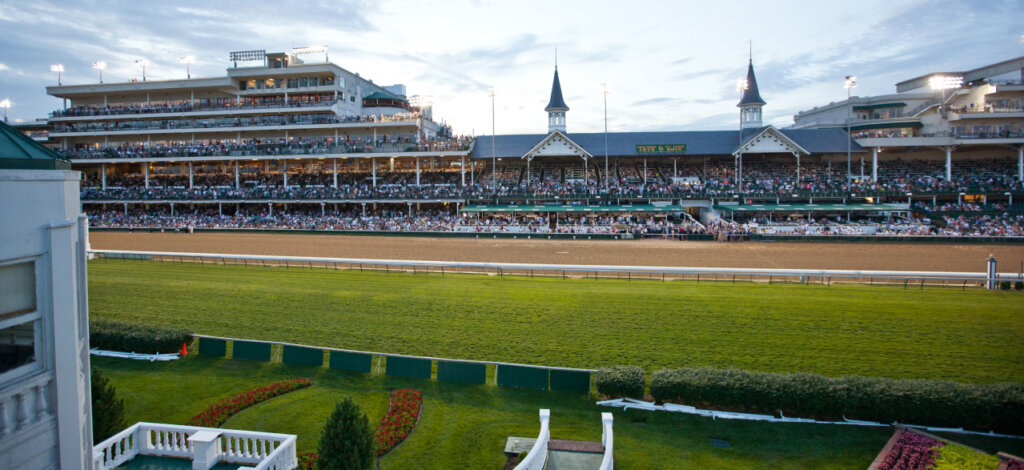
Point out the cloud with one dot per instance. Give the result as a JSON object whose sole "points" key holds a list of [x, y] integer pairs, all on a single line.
{"points": [[4, 67]]}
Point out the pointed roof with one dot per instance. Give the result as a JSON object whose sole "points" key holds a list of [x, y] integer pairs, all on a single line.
{"points": [[19, 152], [751, 96], [556, 103]]}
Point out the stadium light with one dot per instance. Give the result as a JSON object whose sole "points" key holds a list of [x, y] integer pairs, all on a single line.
{"points": [[188, 60], [6, 103], [143, 63], [605, 91], [100, 66], [850, 83], [945, 82], [57, 68]]}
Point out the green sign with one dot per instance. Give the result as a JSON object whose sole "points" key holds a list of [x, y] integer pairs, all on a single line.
{"points": [[661, 148]]}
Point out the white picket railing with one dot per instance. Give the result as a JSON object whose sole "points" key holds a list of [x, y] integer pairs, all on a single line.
{"points": [[538, 454], [269, 451], [23, 404], [608, 441]]}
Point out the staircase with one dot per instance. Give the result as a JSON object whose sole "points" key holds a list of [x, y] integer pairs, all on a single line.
{"points": [[557, 454]]}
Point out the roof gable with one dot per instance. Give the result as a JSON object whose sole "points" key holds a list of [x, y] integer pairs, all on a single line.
{"points": [[770, 140], [556, 144], [18, 151]]}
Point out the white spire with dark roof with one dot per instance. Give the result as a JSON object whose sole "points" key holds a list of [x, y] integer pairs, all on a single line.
{"points": [[751, 102], [556, 107]]}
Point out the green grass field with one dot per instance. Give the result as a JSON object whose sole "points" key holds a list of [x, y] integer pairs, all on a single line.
{"points": [[972, 336]]}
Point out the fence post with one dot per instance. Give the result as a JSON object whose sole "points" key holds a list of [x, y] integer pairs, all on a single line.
{"points": [[991, 273]]}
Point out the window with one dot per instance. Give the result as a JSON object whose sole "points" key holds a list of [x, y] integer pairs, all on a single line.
{"points": [[303, 82], [313, 81], [19, 318]]}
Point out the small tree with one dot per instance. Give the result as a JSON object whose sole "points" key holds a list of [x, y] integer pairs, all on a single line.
{"points": [[346, 442], [107, 409]]}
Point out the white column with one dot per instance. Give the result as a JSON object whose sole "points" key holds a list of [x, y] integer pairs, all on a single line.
{"points": [[949, 163], [462, 169], [190, 175], [797, 170], [237, 186], [206, 449], [373, 170], [417, 172], [285, 174], [645, 173], [1020, 163], [103, 175], [335, 173], [874, 165], [145, 173]]}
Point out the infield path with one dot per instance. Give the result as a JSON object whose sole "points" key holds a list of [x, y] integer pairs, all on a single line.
{"points": [[878, 256]]}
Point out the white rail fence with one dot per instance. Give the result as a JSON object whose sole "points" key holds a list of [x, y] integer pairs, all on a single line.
{"points": [[538, 455], [262, 450], [608, 441], [663, 273]]}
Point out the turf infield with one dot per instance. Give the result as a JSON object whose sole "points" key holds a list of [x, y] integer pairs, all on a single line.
{"points": [[969, 336]]}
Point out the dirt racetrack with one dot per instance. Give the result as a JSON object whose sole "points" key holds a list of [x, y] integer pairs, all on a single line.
{"points": [[874, 256]]}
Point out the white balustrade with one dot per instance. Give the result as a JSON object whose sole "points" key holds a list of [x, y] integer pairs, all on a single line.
{"points": [[264, 450], [24, 404], [607, 440], [538, 455]]}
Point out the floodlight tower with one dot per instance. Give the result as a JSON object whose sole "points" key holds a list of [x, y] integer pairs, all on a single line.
{"points": [[100, 65], [188, 60], [849, 84]]}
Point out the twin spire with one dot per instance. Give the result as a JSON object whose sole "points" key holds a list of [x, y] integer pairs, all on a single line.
{"points": [[750, 103]]}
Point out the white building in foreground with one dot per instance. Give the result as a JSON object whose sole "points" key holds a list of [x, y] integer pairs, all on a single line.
{"points": [[45, 399]]}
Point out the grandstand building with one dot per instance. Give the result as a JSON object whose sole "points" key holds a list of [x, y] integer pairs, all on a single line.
{"points": [[946, 118], [301, 145]]}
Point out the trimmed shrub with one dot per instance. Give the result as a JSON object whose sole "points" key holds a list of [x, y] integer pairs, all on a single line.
{"points": [[107, 409], [620, 381], [1004, 285], [998, 407], [115, 336], [1019, 285], [346, 442]]}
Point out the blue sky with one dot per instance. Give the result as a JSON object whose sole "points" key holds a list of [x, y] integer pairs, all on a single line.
{"points": [[670, 65]]}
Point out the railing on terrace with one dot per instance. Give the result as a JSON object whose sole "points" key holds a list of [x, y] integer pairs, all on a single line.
{"points": [[607, 440], [264, 450], [538, 454], [266, 151], [26, 403], [629, 273], [145, 110]]}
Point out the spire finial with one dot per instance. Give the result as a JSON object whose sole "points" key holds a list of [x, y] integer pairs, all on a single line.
{"points": [[750, 53], [556, 57]]}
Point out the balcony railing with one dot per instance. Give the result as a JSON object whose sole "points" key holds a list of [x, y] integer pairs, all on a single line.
{"points": [[25, 404], [259, 449]]}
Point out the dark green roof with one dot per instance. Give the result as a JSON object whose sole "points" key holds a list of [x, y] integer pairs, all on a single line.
{"points": [[866, 107], [812, 207], [379, 95], [556, 103], [751, 96], [560, 208], [19, 152]]}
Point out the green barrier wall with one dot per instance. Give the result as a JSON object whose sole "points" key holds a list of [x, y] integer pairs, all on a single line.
{"points": [[464, 372], [356, 362], [408, 367], [212, 347], [570, 381], [250, 350], [526, 377], [302, 356]]}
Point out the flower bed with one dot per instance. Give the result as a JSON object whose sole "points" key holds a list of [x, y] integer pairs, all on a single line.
{"points": [[911, 452], [307, 461], [216, 414], [401, 418]]}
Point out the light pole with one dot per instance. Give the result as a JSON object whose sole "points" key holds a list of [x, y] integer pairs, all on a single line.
{"points": [[494, 162], [188, 60], [849, 84], [604, 91], [57, 68], [6, 103], [100, 66], [143, 63]]}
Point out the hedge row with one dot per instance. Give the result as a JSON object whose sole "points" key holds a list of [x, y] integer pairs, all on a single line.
{"points": [[621, 381], [998, 407], [114, 336]]}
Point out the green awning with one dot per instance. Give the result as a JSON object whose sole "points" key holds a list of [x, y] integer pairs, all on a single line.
{"points": [[885, 125], [813, 208], [573, 209], [382, 96], [867, 107], [19, 152]]}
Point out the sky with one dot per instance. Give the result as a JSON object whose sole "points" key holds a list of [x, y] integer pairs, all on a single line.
{"points": [[669, 65]]}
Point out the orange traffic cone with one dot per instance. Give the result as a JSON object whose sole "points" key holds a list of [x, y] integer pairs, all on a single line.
{"points": [[184, 350]]}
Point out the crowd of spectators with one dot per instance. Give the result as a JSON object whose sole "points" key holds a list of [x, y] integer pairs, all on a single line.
{"points": [[237, 121], [208, 104], [293, 146]]}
